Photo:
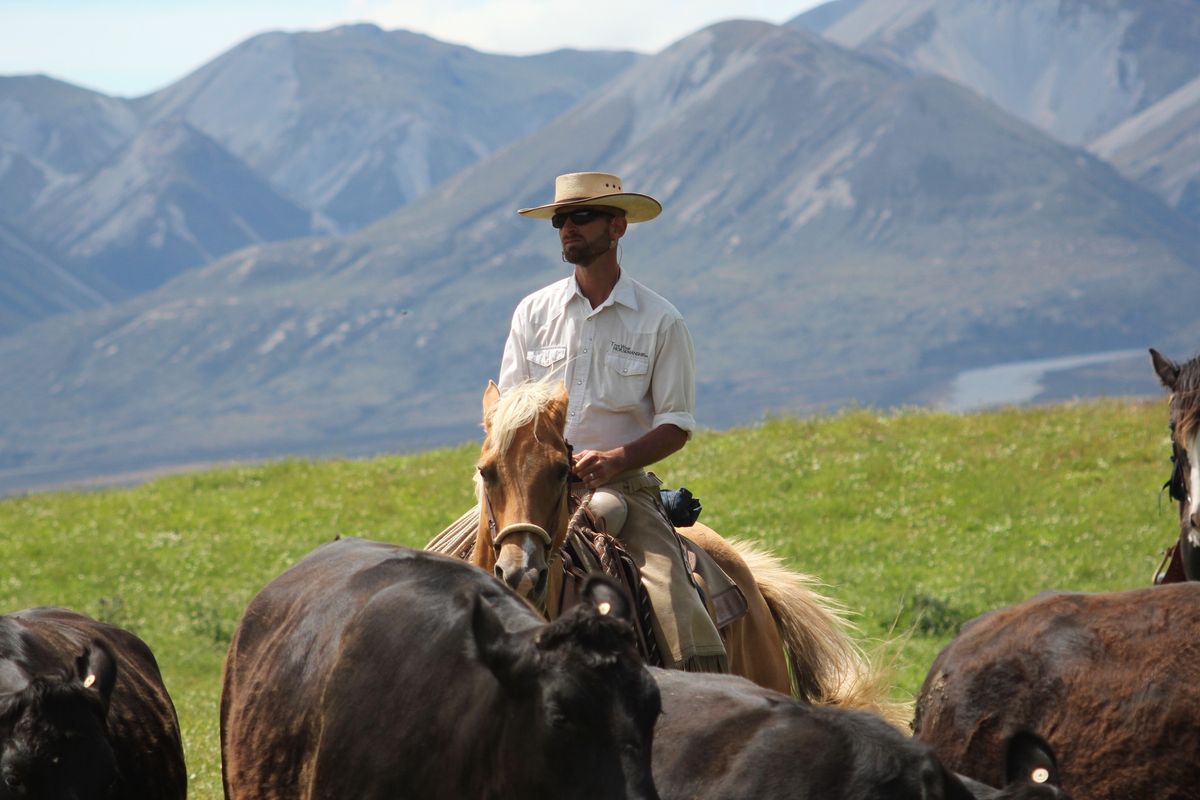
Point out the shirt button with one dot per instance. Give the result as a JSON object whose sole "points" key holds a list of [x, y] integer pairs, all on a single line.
{"points": [[578, 383]]}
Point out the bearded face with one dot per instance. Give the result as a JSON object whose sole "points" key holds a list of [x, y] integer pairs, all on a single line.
{"points": [[585, 241]]}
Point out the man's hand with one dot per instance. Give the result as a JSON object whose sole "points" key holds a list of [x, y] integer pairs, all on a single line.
{"points": [[597, 467]]}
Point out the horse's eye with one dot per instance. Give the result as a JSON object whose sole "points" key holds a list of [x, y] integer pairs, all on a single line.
{"points": [[489, 473]]}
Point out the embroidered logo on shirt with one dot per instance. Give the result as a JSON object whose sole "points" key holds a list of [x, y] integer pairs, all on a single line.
{"points": [[617, 347]]}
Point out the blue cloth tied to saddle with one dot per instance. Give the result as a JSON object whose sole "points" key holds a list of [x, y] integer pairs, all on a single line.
{"points": [[682, 507]]}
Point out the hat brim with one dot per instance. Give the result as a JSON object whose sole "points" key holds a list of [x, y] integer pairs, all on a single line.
{"points": [[637, 207]]}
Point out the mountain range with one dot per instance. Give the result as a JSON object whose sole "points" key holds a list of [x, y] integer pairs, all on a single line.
{"points": [[841, 227], [283, 136], [1111, 75]]}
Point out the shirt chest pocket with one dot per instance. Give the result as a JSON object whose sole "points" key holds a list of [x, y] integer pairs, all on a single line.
{"points": [[626, 380], [545, 360]]}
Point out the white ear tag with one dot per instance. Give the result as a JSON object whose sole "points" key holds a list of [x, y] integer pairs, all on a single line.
{"points": [[89, 680], [1040, 775], [604, 608]]}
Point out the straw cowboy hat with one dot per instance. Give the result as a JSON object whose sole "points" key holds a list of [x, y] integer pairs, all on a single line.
{"points": [[596, 189]]}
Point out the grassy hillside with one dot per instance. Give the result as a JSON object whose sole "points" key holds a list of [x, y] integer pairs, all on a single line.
{"points": [[916, 521]]}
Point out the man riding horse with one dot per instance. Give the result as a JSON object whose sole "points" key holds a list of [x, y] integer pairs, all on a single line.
{"points": [[628, 363], [626, 360]]}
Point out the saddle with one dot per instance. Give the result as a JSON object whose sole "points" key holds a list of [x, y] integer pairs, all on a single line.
{"points": [[589, 548]]}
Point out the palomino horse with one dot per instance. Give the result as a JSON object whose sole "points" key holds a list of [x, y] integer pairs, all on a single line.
{"points": [[1184, 384], [792, 640]]}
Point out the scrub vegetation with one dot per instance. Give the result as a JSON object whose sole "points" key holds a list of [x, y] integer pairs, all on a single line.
{"points": [[916, 521]]}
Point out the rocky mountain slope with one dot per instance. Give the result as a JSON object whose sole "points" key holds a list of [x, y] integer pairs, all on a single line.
{"points": [[354, 122], [1100, 73], [169, 200], [1075, 68], [1160, 148]]}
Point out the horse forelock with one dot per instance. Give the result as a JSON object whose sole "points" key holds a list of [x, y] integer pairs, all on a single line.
{"points": [[521, 405], [1185, 402]]}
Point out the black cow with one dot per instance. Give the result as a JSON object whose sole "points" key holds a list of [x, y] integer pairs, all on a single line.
{"points": [[724, 738], [84, 714], [375, 671]]}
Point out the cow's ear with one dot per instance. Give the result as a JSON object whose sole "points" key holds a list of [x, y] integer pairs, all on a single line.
{"points": [[97, 670], [608, 597], [1168, 370], [1030, 759], [510, 657]]}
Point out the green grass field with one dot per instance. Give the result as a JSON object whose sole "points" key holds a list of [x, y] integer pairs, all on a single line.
{"points": [[916, 521]]}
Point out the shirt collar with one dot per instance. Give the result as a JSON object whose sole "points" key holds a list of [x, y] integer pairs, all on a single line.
{"points": [[623, 293]]}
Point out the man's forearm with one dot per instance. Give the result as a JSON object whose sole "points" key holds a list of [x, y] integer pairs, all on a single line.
{"points": [[654, 446], [597, 467]]}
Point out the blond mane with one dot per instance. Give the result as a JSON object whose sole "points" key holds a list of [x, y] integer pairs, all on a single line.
{"points": [[516, 408]]}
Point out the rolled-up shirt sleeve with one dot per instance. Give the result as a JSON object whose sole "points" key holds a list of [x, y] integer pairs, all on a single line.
{"points": [[673, 384]]}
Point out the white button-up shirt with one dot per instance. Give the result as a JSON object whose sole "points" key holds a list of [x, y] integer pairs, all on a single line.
{"points": [[629, 364]]}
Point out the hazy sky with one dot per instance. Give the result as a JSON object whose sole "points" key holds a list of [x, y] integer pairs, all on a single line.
{"points": [[132, 47]]}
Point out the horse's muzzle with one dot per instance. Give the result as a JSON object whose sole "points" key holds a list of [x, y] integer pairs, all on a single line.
{"points": [[521, 560]]}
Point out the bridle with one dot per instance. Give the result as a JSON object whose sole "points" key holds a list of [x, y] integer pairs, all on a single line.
{"points": [[499, 534], [1176, 487]]}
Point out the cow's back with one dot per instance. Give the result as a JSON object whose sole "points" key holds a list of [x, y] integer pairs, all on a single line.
{"points": [[143, 727], [1111, 680], [331, 658], [724, 738]]}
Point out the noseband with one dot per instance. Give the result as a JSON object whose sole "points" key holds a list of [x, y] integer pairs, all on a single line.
{"points": [[498, 535]]}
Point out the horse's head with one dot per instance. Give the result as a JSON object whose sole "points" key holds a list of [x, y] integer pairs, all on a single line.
{"points": [[522, 485], [1184, 383]]}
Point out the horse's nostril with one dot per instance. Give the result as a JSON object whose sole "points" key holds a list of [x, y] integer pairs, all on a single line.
{"points": [[498, 571], [540, 588]]}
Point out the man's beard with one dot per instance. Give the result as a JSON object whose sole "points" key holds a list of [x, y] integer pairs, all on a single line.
{"points": [[584, 253]]}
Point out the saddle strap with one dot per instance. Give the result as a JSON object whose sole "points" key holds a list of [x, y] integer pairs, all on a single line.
{"points": [[1171, 568], [582, 555]]}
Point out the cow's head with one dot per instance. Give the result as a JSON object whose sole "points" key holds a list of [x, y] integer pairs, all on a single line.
{"points": [[585, 704], [53, 730]]}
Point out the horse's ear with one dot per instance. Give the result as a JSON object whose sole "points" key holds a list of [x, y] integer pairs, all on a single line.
{"points": [[491, 396], [1168, 370], [557, 408]]}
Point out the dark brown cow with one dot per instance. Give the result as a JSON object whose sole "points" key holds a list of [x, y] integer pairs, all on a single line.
{"points": [[721, 737], [84, 714], [1111, 680], [374, 671]]}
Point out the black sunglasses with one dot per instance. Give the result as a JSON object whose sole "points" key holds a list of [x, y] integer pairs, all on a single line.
{"points": [[577, 217]]}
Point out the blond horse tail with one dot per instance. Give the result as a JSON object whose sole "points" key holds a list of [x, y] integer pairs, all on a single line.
{"points": [[827, 663]]}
